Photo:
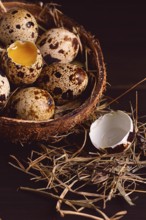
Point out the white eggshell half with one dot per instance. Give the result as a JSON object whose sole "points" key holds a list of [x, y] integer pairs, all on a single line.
{"points": [[111, 130]]}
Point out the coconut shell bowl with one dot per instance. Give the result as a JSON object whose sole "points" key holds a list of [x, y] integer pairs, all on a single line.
{"points": [[71, 112]]}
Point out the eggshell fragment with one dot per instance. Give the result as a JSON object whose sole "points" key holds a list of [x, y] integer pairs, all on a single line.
{"points": [[58, 45], [22, 62], [111, 130]]}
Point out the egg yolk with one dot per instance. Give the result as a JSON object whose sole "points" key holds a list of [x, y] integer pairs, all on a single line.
{"points": [[23, 53]]}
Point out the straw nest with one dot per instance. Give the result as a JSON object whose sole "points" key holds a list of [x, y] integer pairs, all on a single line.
{"points": [[73, 113], [82, 180]]}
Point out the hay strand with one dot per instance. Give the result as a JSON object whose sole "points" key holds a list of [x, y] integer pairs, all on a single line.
{"points": [[71, 168]]}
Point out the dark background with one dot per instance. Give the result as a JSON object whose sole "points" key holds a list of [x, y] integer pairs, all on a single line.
{"points": [[120, 27]]}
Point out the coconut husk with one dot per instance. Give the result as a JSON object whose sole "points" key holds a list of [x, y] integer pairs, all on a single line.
{"points": [[24, 131]]}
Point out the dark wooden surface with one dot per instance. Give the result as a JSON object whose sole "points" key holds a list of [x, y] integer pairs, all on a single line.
{"points": [[121, 30]]}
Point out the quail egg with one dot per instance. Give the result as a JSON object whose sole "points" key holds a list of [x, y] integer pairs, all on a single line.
{"points": [[4, 89], [31, 104], [18, 24], [65, 82], [58, 45], [22, 62]]}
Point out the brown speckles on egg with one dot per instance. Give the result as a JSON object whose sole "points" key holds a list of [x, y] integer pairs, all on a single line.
{"points": [[58, 44], [31, 104], [66, 81], [32, 35], [21, 74], [38, 65], [66, 38], [18, 26], [31, 70], [58, 74], [29, 24], [28, 15], [42, 42], [54, 46], [49, 40], [61, 51], [36, 92], [11, 31], [14, 12], [57, 91], [49, 59], [24, 27]]}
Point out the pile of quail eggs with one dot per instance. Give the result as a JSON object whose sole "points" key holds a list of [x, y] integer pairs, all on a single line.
{"points": [[36, 71]]}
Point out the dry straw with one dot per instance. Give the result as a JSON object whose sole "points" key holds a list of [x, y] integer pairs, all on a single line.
{"points": [[80, 178]]}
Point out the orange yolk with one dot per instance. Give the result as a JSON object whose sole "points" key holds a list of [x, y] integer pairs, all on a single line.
{"points": [[23, 53]]}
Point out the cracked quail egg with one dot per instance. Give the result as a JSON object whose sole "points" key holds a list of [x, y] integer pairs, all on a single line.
{"points": [[58, 45], [4, 89], [31, 104], [18, 24], [22, 62], [65, 82]]}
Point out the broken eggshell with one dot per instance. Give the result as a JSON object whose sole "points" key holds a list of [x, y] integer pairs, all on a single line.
{"points": [[111, 130], [22, 62]]}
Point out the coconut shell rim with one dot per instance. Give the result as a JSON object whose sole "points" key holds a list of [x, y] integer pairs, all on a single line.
{"points": [[69, 120]]}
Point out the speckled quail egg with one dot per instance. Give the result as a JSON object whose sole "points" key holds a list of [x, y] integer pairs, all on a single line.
{"points": [[18, 24], [58, 45], [4, 89], [31, 104], [22, 62], [65, 82]]}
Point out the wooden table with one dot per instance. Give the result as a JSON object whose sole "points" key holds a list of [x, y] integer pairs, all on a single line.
{"points": [[121, 29]]}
